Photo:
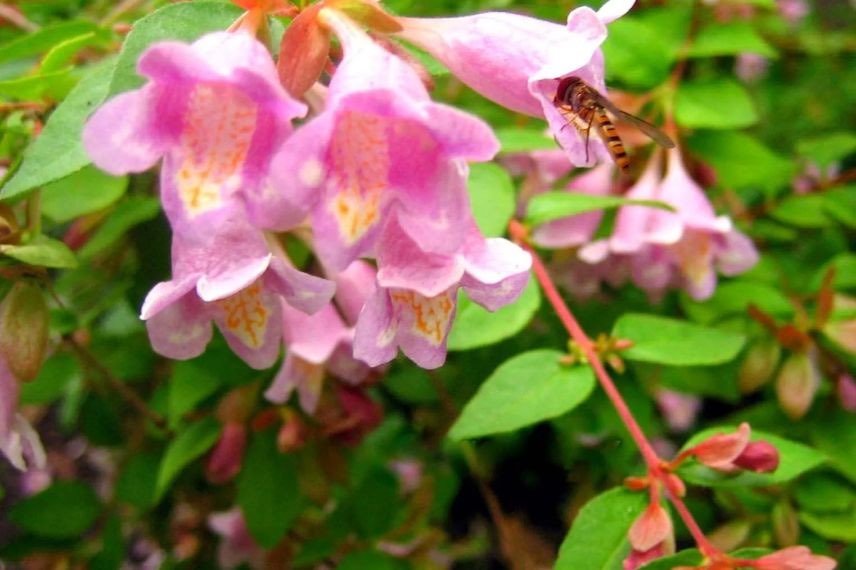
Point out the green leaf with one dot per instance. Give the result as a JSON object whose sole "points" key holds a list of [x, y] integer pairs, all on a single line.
{"points": [[598, 536], [373, 507], [841, 205], [53, 84], [63, 53], [825, 492], [188, 386], [691, 557], [128, 213], [640, 51], [64, 510], [187, 446], [185, 21], [731, 38], [42, 252], [741, 161], [43, 39], [57, 374], [83, 192], [560, 204], [526, 389], [711, 381], [268, 491], [514, 140], [794, 460], [832, 526], [834, 433], [491, 197], [733, 298], [845, 272], [58, 150], [673, 342], [827, 149], [808, 211], [475, 326], [138, 479], [715, 104]]}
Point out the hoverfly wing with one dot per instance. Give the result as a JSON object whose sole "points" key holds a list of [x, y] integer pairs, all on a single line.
{"points": [[650, 130]]}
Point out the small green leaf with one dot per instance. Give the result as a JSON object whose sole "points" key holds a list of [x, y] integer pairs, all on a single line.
{"points": [[373, 508], [185, 21], [492, 197], [514, 140], [188, 386], [63, 53], [137, 480], [741, 161], [598, 536], [475, 326], [808, 211], [845, 272], [554, 205], [794, 460], [673, 342], [832, 526], [83, 192], [639, 51], [716, 104], [841, 204], [268, 491], [733, 298], [526, 389], [732, 38], [53, 84], [58, 150], [128, 213], [187, 446], [43, 40], [42, 252], [827, 149], [64, 510], [834, 433], [825, 492]]}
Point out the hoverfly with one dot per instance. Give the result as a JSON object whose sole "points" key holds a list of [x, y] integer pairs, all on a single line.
{"points": [[582, 106]]}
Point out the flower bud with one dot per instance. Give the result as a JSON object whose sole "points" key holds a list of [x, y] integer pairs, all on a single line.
{"points": [[292, 433], [759, 456], [842, 333], [9, 229], [731, 535], [796, 385], [759, 364], [237, 405], [846, 389], [226, 458], [24, 323], [786, 525]]}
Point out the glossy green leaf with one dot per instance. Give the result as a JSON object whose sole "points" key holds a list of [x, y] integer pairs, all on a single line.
{"points": [[554, 205], [64, 510], [794, 460], [491, 197], [678, 343], [128, 213], [52, 84], [187, 446], [716, 104], [832, 526], [598, 536], [63, 53], [58, 150], [475, 326], [268, 491], [733, 298], [834, 433], [43, 39], [845, 272], [514, 140], [185, 21], [42, 252], [83, 192], [841, 204], [807, 211], [828, 148], [188, 386], [825, 492], [741, 161], [138, 479], [526, 389], [373, 507], [731, 38]]}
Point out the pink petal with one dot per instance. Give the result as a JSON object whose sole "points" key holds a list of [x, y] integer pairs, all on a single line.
{"points": [[181, 330], [251, 322]]}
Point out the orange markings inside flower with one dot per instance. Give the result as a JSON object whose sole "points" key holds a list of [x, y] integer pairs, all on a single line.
{"points": [[361, 162], [218, 129], [246, 316], [431, 315]]}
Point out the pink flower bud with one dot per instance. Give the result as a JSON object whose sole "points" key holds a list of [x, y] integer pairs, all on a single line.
{"points": [[292, 434], [759, 456], [24, 330], [796, 385], [794, 558], [759, 364], [846, 389], [225, 461], [720, 451], [652, 527], [731, 535], [843, 333]]}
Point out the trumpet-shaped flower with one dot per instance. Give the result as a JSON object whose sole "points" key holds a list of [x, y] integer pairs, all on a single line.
{"points": [[215, 112], [517, 61], [379, 147], [236, 282]]}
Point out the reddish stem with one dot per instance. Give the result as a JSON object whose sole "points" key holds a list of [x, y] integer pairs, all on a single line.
{"points": [[652, 460]]}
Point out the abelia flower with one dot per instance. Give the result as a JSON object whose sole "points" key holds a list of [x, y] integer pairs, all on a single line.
{"points": [[236, 546], [215, 112], [414, 304], [684, 247], [322, 342], [517, 61], [380, 147], [236, 282]]}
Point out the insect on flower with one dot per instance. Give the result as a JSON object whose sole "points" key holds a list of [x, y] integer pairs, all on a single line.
{"points": [[583, 106]]}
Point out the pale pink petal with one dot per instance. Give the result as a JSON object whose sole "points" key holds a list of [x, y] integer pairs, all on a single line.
{"points": [[354, 286], [375, 334], [302, 291], [182, 329], [251, 322]]}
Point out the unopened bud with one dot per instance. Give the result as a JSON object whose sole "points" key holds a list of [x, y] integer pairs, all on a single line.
{"points": [[637, 483], [675, 485], [796, 385], [226, 458], [846, 389], [292, 434], [786, 525], [9, 230], [843, 333], [759, 456], [24, 321], [731, 535], [236, 406], [759, 364]]}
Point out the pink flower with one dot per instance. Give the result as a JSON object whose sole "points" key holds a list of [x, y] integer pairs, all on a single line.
{"points": [[414, 304], [225, 460], [517, 61], [215, 112], [19, 442], [323, 341], [236, 545], [380, 147], [734, 451], [236, 282], [794, 558]]}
